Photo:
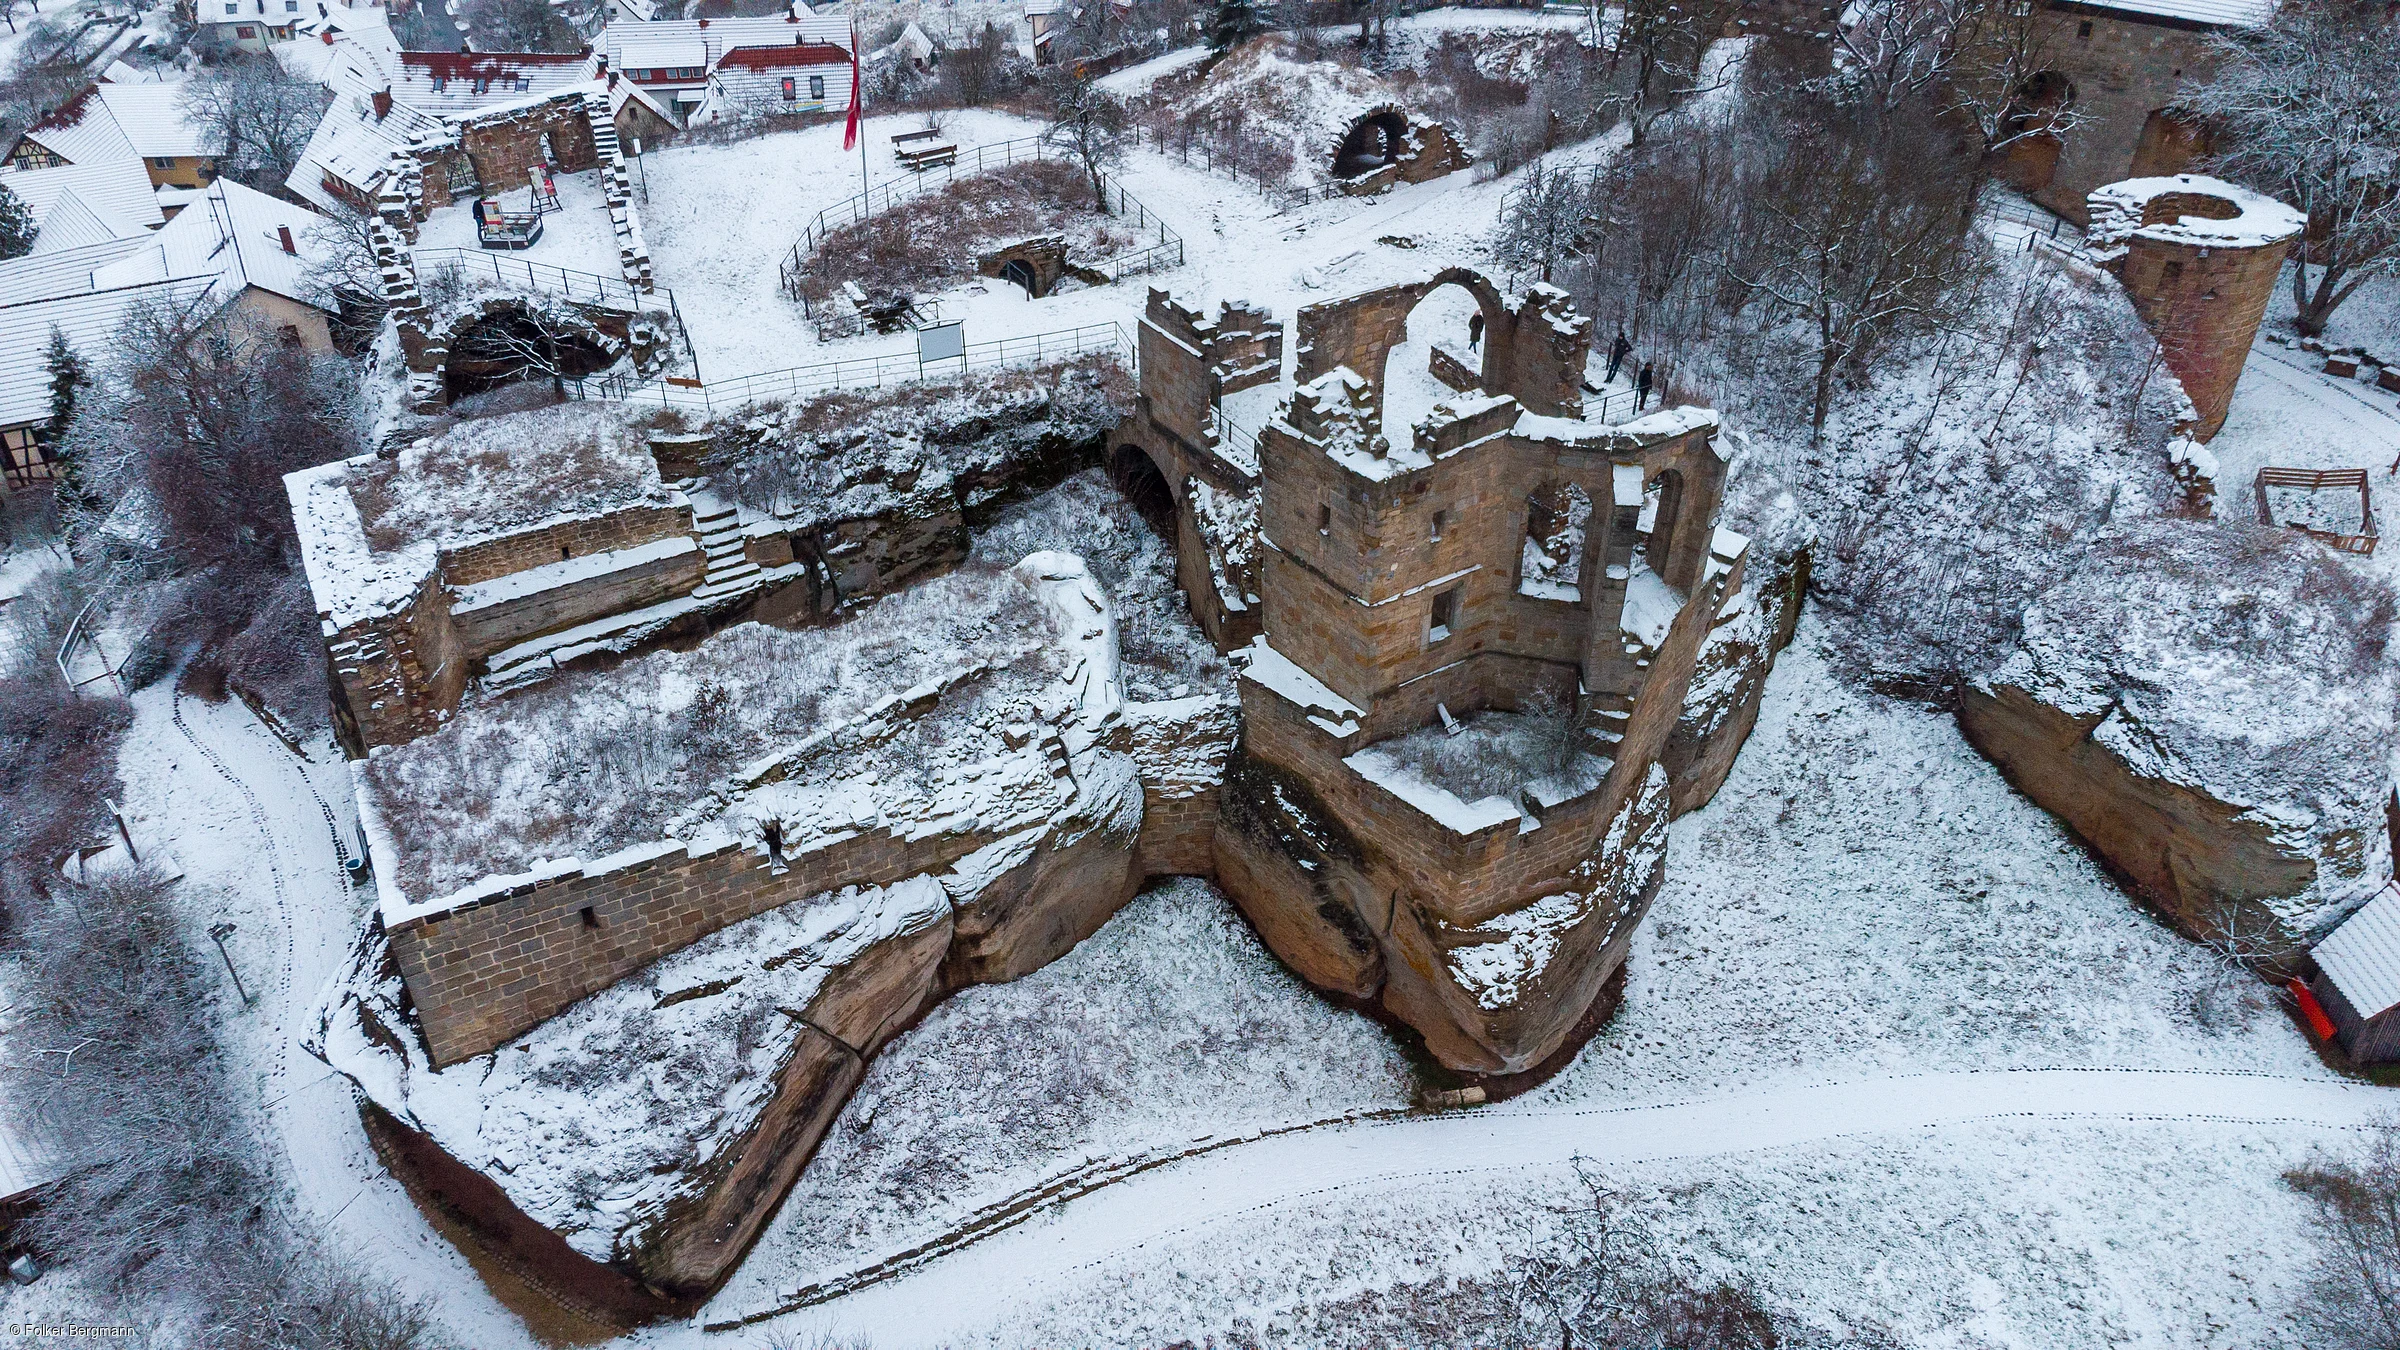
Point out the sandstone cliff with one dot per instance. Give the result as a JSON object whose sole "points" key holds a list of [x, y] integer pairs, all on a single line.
{"points": [[1730, 677], [2207, 706]]}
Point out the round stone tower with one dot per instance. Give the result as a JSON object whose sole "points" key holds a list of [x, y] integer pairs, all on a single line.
{"points": [[2199, 258]]}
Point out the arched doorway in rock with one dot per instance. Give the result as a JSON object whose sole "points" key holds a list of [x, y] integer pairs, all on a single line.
{"points": [[511, 345], [1372, 142], [1662, 508], [1439, 354], [1138, 477], [1019, 272], [1558, 517], [2169, 145], [2029, 156]]}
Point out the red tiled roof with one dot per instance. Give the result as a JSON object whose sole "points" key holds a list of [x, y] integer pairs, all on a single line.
{"points": [[772, 58], [69, 113], [486, 65]]}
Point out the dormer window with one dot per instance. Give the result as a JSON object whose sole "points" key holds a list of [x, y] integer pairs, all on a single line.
{"points": [[440, 83]]}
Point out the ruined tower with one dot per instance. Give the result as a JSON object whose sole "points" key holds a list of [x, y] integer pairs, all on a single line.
{"points": [[2199, 258]]}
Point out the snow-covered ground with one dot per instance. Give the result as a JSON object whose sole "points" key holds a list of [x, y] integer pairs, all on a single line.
{"points": [[1892, 1048], [577, 236], [2288, 413]]}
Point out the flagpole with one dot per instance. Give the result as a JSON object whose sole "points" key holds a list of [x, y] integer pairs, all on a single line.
{"points": [[858, 120]]}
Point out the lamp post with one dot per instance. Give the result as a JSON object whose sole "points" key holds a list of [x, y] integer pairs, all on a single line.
{"points": [[219, 932]]}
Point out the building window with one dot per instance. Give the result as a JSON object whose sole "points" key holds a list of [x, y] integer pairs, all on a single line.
{"points": [[163, 162], [788, 94], [1442, 619], [483, 85], [289, 334], [233, 8], [440, 83], [28, 459], [816, 88], [1440, 518], [245, 32], [2084, 29], [1324, 520], [523, 84]]}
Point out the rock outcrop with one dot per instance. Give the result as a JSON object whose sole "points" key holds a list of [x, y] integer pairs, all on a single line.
{"points": [[2207, 706], [1730, 677]]}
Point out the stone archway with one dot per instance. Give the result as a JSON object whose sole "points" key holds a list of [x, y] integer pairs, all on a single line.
{"points": [[1375, 141], [2030, 158], [504, 343], [1138, 476]]}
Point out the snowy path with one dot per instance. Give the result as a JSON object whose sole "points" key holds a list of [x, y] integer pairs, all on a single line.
{"points": [[1067, 1242], [263, 845]]}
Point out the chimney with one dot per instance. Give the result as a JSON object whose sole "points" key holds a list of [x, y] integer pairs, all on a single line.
{"points": [[328, 37], [283, 235], [704, 23], [383, 103], [612, 79]]}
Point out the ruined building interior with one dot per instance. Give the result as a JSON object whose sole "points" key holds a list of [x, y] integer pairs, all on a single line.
{"points": [[1423, 549]]}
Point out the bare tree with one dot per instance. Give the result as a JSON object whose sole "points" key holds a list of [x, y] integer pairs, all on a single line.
{"points": [[1543, 222], [1087, 123], [1851, 226], [976, 71], [518, 26], [2302, 109], [2355, 1299], [1655, 62], [257, 118]]}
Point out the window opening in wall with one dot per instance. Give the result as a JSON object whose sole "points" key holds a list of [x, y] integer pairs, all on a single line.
{"points": [[1442, 619], [1550, 558], [1324, 520], [2084, 29], [564, 552], [591, 917], [1440, 518], [2170, 274]]}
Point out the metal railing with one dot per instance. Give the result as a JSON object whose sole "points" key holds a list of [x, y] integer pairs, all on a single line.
{"points": [[1167, 252], [862, 372], [79, 633], [517, 270], [2041, 225]]}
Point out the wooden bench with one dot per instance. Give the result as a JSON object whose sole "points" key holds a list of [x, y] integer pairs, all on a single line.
{"points": [[931, 156], [495, 228], [2319, 480]]}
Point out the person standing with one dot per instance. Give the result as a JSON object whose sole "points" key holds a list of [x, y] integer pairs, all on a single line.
{"points": [[1617, 353], [1641, 388], [1475, 332]]}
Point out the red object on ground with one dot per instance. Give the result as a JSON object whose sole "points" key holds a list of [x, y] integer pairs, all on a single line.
{"points": [[2311, 1011]]}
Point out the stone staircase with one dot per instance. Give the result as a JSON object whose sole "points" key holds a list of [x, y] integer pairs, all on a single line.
{"points": [[1610, 714], [719, 527], [633, 254], [730, 578]]}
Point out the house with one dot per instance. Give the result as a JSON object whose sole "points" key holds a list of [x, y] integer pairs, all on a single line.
{"points": [[2358, 980], [257, 25], [231, 253], [807, 78], [444, 83], [2116, 66], [77, 204], [676, 61], [120, 121]]}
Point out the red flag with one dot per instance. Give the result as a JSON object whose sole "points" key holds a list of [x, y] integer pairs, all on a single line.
{"points": [[850, 128]]}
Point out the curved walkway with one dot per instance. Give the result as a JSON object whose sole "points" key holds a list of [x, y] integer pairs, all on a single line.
{"points": [[1216, 1183]]}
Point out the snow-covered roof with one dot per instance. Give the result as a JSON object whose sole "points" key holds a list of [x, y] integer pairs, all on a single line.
{"points": [[90, 320], [2362, 956], [116, 191], [46, 276], [2119, 212], [676, 43], [70, 224], [153, 120], [751, 79], [82, 130], [237, 235], [369, 54], [354, 146], [463, 82], [2214, 13]]}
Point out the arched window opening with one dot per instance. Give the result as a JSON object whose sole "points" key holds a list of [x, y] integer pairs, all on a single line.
{"points": [[1557, 520]]}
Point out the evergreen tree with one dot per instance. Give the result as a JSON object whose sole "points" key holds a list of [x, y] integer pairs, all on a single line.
{"points": [[1234, 22], [17, 225], [68, 377]]}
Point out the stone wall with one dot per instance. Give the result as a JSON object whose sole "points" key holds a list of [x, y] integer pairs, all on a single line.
{"points": [[619, 529], [2123, 68], [543, 600], [2204, 303], [1533, 353], [494, 966]]}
